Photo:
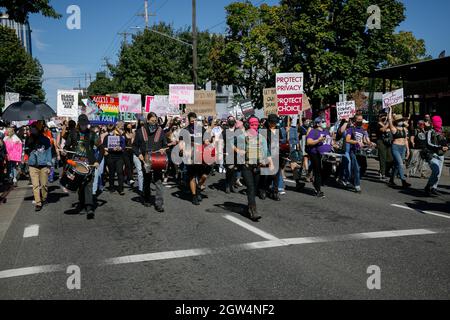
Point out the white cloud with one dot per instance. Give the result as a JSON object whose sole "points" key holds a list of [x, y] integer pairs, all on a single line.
{"points": [[37, 40]]}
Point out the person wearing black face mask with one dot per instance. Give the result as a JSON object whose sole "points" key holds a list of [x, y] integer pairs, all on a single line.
{"points": [[230, 168], [128, 154], [149, 139], [82, 142]]}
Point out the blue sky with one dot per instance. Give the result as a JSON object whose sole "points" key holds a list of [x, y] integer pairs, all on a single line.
{"points": [[67, 55]]}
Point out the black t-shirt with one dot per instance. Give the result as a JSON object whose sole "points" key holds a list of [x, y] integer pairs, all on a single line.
{"points": [[420, 139]]}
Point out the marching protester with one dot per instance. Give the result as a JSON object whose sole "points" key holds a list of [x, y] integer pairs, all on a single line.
{"points": [[150, 140], [436, 147], [38, 148], [319, 143], [418, 143], [81, 143], [129, 136], [114, 144], [384, 144], [14, 148], [400, 147]]}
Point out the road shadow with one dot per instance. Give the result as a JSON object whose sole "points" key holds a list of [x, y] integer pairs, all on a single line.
{"points": [[233, 207], [422, 205]]}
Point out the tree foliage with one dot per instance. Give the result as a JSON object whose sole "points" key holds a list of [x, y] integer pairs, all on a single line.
{"points": [[18, 10], [19, 72], [327, 40]]}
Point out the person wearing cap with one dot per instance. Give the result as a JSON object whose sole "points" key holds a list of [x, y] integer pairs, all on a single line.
{"points": [[400, 147], [418, 143], [84, 143], [319, 141]]}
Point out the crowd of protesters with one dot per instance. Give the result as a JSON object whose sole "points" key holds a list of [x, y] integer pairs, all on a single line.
{"points": [[313, 150]]}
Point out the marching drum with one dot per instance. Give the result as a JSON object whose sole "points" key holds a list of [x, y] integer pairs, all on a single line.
{"points": [[76, 174], [156, 162]]}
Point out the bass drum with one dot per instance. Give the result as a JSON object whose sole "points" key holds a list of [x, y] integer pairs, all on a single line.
{"points": [[158, 162], [75, 176]]}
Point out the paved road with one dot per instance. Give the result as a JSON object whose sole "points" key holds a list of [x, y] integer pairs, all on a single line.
{"points": [[303, 248]]}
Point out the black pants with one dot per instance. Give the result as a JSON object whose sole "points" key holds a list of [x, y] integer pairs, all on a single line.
{"points": [[251, 175], [316, 162], [230, 175], [156, 178], [115, 165], [85, 197], [128, 161]]}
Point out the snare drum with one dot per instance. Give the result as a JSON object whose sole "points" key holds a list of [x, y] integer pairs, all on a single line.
{"points": [[75, 176]]}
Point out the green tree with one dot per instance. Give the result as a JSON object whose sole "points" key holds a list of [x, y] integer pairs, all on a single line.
{"points": [[406, 49], [19, 72], [152, 61], [19, 10], [251, 53], [102, 85]]}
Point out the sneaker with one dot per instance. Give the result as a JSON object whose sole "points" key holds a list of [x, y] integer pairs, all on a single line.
{"points": [[132, 182], [38, 208], [343, 183], [358, 190], [160, 209], [320, 194], [238, 183], [195, 201], [122, 193], [15, 182], [282, 192]]}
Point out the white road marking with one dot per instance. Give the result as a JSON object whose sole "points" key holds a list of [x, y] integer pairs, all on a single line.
{"points": [[422, 212], [31, 231], [251, 228], [30, 271], [275, 243]]}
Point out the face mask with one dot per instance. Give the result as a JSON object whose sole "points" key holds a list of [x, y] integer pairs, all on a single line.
{"points": [[359, 124], [153, 128], [231, 123], [34, 131], [83, 127], [324, 125], [400, 124]]}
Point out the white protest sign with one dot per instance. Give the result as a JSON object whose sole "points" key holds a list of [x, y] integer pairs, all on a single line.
{"points": [[113, 142], [67, 104], [181, 94], [289, 83], [393, 98], [346, 109], [11, 98], [130, 103], [161, 106]]}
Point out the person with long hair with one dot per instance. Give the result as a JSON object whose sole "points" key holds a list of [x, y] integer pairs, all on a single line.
{"points": [[14, 154]]}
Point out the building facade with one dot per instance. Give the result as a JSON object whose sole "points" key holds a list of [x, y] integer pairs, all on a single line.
{"points": [[23, 31]]}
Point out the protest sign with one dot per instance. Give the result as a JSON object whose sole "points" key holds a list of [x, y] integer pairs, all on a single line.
{"points": [[289, 87], [391, 99], [130, 103], [205, 103], [247, 108], [113, 142], [148, 103], [67, 103], [181, 94], [270, 101], [161, 106], [102, 110], [346, 109], [290, 104]]}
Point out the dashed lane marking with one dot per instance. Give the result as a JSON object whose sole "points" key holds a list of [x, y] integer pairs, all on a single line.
{"points": [[420, 211], [31, 231]]}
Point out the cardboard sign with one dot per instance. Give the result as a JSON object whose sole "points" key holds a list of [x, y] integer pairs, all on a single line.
{"points": [[67, 103], [148, 103], [161, 106], [290, 104], [114, 142], [393, 98], [247, 108], [181, 94], [130, 103], [270, 102], [102, 110], [205, 103], [346, 109]]}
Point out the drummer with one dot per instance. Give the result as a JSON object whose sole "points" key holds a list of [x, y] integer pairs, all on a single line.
{"points": [[150, 138], [84, 142]]}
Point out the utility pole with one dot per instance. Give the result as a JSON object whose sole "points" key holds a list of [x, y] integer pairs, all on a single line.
{"points": [[194, 44], [146, 14], [124, 34]]}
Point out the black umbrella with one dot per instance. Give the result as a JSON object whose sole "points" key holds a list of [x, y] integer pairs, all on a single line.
{"points": [[27, 110]]}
